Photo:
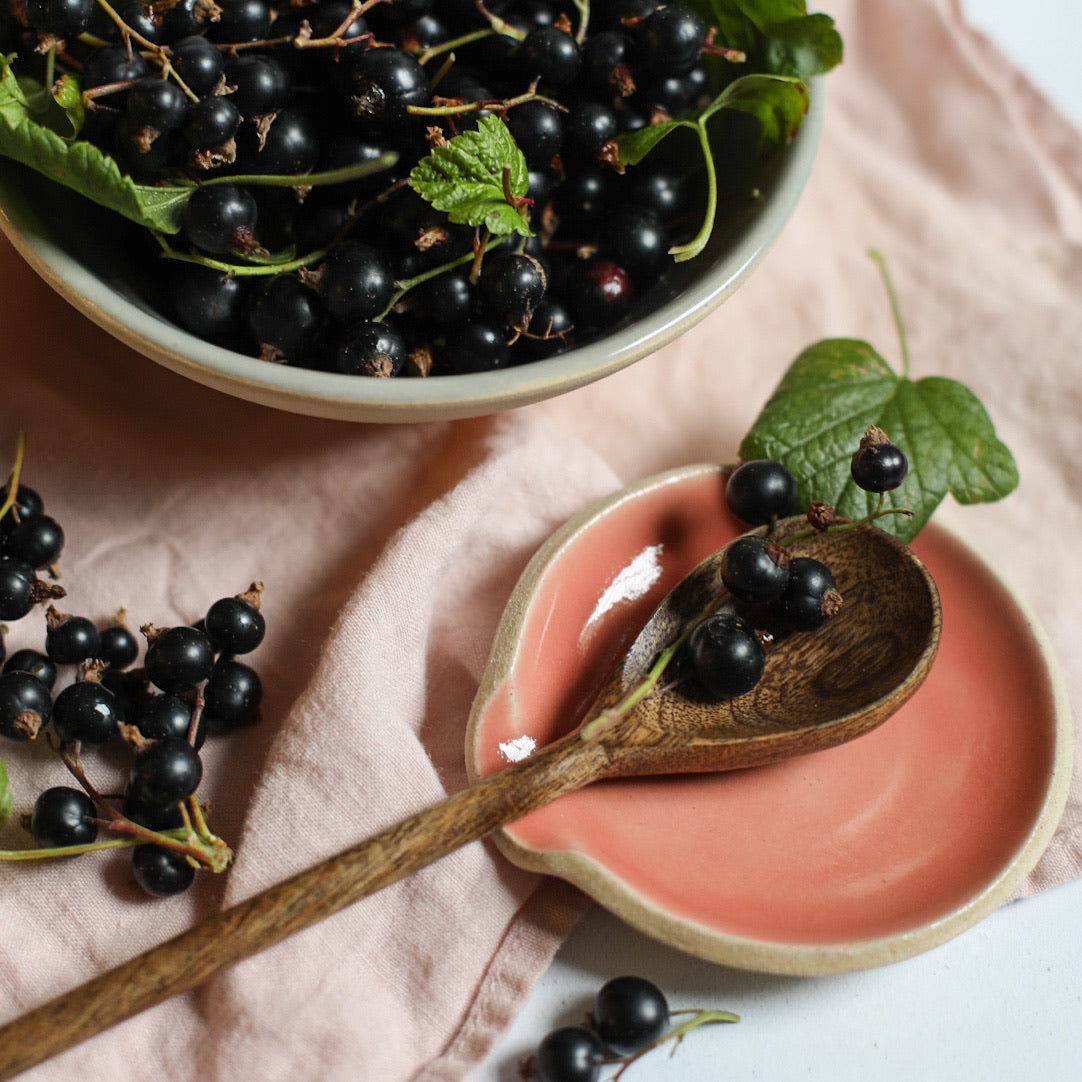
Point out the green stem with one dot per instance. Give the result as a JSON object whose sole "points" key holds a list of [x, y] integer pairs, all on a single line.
{"points": [[403, 286], [311, 180], [243, 270], [453, 43], [698, 1018], [895, 309], [583, 8], [13, 477], [683, 252]]}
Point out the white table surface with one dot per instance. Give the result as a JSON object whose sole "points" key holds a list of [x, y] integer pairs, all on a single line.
{"points": [[1001, 1001]]}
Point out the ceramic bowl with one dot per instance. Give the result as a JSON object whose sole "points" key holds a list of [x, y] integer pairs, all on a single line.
{"points": [[79, 251]]}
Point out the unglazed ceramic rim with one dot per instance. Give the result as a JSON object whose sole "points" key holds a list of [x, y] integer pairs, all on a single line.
{"points": [[744, 952], [353, 398]]}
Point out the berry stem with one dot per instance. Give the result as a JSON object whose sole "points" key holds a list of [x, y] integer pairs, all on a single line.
{"points": [[689, 250], [13, 477], [895, 309], [699, 1017]]}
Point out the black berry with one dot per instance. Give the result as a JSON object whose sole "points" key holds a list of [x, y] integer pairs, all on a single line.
{"points": [[63, 816], [760, 490], [629, 1013], [727, 656]]}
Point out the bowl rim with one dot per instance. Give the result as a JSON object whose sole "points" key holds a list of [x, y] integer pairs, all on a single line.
{"points": [[338, 396]]}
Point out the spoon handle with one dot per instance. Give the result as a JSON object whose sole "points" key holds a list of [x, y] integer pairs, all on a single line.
{"points": [[189, 959]]}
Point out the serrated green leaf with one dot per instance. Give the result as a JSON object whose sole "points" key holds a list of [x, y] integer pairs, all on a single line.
{"points": [[464, 178], [80, 165], [5, 795], [835, 389], [803, 47]]}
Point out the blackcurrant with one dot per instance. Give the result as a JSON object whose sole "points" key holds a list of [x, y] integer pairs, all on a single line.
{"points": [[157, 104], [25, 705], [166, 771], [726, 655], [18, 588], [241, 21], [34, 662], [550, 54], [113, 64], [220, 218], [670, 40], [878, 465], [288, 146], [754, 569], [445, 299], [207, 302], [62, 18], [231, 696], [163, 716], [117, 646], [477, 345], [811, 595], [152, 816], [63, 816], [260, 84], [211, 123], [588, 128], [85, 712], [159, 871], [27, 504], [635, 238], [601, 291], [284, 316], [629, 1013], [178, 658], [38, 541], [370, 349], [512, 286], [760, 490], [199, 62], [234, 625], [538, 129], [569, 1054], [384, 81], [357, 282], [70, 640]]}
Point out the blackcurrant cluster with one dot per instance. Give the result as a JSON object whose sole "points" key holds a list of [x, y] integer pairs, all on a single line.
{"points": [[630, 1016], [83, 691], [250, 89], [769, 591]]}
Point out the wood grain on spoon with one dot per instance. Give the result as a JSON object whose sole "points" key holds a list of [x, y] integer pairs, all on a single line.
{"points": [[819, 689]]}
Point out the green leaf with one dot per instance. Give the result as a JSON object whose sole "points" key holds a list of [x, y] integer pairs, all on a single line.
{"points": [[779, 102], [803, 47], [835, 389], [464, 178], [5, 795], [80, 165], [68, 94]]}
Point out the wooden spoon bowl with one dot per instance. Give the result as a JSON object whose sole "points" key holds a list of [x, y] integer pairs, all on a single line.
{"points": [[819, 688]]}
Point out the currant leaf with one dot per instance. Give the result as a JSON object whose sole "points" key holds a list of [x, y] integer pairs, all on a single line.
{"points": [[830, 394], [5, 795], [464, 178], [79, 165]]}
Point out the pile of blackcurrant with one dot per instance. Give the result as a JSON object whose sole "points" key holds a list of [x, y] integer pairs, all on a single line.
{"points": [[769, 591], [82, 691], [368, 278], [630, 1016]]}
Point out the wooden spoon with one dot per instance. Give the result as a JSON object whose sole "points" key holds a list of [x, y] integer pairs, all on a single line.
{"points": [[820, 688]]}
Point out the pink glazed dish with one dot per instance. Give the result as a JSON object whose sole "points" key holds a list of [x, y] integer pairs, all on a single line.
{"points": [[844, 859]]}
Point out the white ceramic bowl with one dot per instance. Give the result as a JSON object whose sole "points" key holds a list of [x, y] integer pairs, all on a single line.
{"points": [[73, 248]]}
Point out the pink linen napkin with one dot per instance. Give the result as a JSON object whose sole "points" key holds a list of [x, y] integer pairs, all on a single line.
{"points": [[388, 554]]}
